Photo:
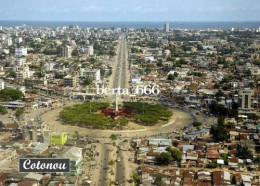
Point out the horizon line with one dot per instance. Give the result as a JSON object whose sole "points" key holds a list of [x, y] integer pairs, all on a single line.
{"points": [[127, 21]]}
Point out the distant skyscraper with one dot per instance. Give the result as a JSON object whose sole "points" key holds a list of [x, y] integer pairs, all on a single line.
{"points": [[90, 50], [167, 27], [246, 99], [66, 51]]}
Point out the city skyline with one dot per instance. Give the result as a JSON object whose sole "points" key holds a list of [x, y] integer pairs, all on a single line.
{"points": [[115, 10]]}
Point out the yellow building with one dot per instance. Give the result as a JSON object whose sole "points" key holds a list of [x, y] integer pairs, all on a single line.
{"points": [[58, 138]]}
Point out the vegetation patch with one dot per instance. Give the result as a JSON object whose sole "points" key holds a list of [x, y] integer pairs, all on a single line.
{"points": [[148, 114], [9, 94], [87, 115]]}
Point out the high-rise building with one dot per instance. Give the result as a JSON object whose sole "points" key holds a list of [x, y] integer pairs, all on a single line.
{"points": [[90, 50], [94, 74], [2, 84], [9, 42], [66, 51], [18, 40], [20, 52], [19, 61], [167, 27], [246, 99], [22, 72], [70, 81]]}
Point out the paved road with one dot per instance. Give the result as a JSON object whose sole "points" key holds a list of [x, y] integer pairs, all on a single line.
{"points": [[103, 168], [121, 68], [120, 166]]}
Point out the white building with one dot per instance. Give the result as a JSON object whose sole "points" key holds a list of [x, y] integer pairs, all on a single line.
{"points": [[18, 40], [70, 81], [66, 51], [4, 51], [75, 155], [8, 42], [49, 66], [90, 50], [94, 74], [20, 52], [19, 62], [149, 59], [167, 27], [72, 42], [22, 72], [52, 34], [246, 99], [2, 84], [135, 79]]}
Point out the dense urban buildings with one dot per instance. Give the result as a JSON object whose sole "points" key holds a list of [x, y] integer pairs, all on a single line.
{"points": [[129, 106]]}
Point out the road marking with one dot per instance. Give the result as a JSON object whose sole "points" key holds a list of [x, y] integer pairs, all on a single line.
{"points": [[139, 130], [168, 124]]}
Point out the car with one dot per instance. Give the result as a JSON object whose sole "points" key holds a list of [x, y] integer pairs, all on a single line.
{"points": [[118, 160]]}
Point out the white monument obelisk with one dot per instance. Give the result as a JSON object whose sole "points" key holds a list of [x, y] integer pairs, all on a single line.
{"points": [[116, 103]]}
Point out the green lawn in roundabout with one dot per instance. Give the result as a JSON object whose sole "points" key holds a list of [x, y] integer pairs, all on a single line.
{"points": [[148, 114], [88, 115]]}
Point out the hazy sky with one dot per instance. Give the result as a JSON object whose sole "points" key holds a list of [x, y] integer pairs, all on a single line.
{"points": [[131, 10]]}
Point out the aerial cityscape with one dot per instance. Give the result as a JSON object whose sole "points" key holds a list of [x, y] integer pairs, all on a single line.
{"points": [[127, 97]]}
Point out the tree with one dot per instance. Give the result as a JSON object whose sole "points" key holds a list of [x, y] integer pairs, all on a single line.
{"points": [[111, 162], [136, 177], [12, 74], [244, 152], [197, 123], [219, 133], [102, 72], [217, 109], [9, 94], [75, 52], [221, 121], [87, 81], [134, 50], [158, 180], [225, 158], [164, 158], [92, 60], [113, 137], [112, 53], [175, 153], [34, 91], [147, 70], [77, 136], [257, 160], [159, 63], [3, 110], [19, 112], [253, 116], [59, 75], [219, 94], [199, 47], [41, 74], [213, 164], [171, 77]]}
